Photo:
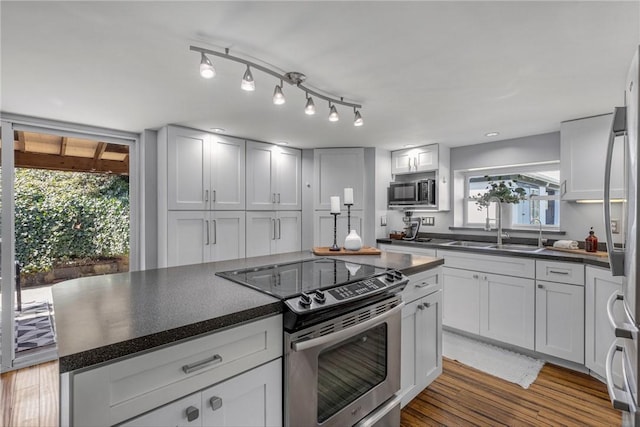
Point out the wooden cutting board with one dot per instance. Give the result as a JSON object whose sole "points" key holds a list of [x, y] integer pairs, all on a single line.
{"points": [[366, 250], [580, 252]]}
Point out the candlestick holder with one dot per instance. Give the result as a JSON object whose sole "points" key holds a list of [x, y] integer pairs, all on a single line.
{"points": [[335, 246], [348, 205]]}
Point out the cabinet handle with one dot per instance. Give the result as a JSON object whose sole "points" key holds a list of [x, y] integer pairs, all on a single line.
{"points": [[215, 402], [279, 229], [273, 225], [563, 188], [196, 366], [278, 198], [215, 231], [427, 304], [559, 272], [484, 278], [214, 196], [475, 276], [540, 286], [207, 222], [192, 413], [273, 197], [422, 285], [421, 306], [206, 195], [415, 162]]}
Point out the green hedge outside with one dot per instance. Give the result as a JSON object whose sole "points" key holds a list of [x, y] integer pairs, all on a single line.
{"points": [[62, 217]]}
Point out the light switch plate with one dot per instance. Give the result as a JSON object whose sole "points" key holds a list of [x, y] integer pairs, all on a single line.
{"points": [[383, 220], [614, 226], [428, 220]]}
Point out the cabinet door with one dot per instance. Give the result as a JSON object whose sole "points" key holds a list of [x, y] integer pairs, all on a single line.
{"points": [[323, 223], [187, 169], [409, 363], [430, 349], [461, 300], [401, 162], [583, 147], [426, 158], [288, 231], [173, 414], [334, 170], [250, 399], [189, 237], [507, 310], [599, 334], [288, 178], [261, 233], [227, 239], [227, 174], [560, 320], [260, 194]]}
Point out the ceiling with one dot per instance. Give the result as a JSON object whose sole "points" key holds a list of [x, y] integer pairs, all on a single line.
{"points": [[425, 72]]}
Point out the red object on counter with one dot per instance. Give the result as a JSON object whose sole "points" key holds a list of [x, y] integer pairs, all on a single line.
{"points": [[591, 242]]}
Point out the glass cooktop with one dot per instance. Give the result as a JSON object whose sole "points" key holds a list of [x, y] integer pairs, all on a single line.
{"points": [[291, 279]]}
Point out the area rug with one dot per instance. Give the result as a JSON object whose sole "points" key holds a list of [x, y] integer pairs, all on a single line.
{"points": [[496, 361], [34, 326]]}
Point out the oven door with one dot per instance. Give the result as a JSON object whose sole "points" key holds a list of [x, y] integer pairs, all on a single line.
{"points": [[338, 378]]}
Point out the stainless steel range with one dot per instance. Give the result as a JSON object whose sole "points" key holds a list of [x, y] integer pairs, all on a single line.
{"points": [[342, 339]]}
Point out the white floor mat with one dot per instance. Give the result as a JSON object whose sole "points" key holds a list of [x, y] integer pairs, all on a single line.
{"points": [[505, 364]]}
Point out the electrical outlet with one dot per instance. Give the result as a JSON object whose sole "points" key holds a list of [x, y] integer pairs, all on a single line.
{"points": [[383, 220], [614, 226], [428, 220]]}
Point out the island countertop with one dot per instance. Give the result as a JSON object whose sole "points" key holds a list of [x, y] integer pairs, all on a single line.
{"points": [[102, 318]]}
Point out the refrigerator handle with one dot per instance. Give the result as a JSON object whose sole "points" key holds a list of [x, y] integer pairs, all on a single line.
{"points": [[620, 397], [625, 330], [616, 255]]}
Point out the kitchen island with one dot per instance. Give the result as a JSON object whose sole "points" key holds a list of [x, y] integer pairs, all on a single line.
{"points": [[119, 329]]}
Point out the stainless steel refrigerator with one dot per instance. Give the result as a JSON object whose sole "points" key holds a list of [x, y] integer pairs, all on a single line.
{"points": [[624, 260]]}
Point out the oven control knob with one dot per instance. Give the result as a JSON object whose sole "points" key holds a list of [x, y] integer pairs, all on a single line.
{"points": [[305, 300], [390, 276], [319, 297], [397, 274]]}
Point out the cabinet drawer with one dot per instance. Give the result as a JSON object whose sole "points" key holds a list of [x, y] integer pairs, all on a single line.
{"points": [[422, 284], [509, 266], [124, 389], [407, 249], [561, 272]]}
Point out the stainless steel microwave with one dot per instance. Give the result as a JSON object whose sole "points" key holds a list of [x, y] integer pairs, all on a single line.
{"points": [[422, 192]]}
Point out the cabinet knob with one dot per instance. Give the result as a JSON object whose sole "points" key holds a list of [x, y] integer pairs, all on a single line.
{"points": [[540, 286], [192, 413], [421, 306], [216, 402], [475, 276], [427, 304]]}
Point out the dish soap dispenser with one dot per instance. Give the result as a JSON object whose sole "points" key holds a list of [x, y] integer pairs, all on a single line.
{"points": [[591, 242]]}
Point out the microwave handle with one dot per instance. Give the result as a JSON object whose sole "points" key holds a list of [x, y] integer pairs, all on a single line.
{"points": [[345, 333]]}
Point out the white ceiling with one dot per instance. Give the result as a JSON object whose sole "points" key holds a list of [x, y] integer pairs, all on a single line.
{"points": [[425, 72]]}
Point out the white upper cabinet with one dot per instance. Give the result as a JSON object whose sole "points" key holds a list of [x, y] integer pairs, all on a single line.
{"points": [[204, 171], [583, 150], [336, 169], [274, 177], [411, 160]]}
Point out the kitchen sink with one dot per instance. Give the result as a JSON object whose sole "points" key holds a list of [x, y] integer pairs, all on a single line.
{"points": [[517, 247], [470, 244]]}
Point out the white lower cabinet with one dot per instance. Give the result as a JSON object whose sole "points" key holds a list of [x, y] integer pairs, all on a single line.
{"points": [[421, 360], [253, 398], [273, 232], [195, 237], [560, 320], [461, 300], [599, 334], [507, 309]]}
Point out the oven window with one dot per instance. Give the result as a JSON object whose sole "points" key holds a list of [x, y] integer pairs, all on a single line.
{"points": [[350, 369]]}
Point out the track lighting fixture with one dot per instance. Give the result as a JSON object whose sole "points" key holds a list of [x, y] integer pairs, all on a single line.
{"points": [[293, 78], [333, 113], [206, 68], [357, 120], [247, 81], [310, 108], [278, 96]]}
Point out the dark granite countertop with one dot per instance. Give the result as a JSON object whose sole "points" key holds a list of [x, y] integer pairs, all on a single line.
{"points": [[546, 254], [102, 318]]}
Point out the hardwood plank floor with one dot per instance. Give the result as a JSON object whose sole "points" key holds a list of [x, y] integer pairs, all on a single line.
{"points": [[461, 396]]}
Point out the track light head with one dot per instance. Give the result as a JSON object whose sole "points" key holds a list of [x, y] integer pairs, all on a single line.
{"points": [[206, 68], [278, 96], [357, 120], [333, 113], [248, 83], [310, 108]]}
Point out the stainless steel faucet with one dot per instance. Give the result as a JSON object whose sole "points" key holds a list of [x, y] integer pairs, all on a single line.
{"points": [[540, 242], [498, 219]]}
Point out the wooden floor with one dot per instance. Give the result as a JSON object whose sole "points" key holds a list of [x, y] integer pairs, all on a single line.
{"points": [[461, 396]]}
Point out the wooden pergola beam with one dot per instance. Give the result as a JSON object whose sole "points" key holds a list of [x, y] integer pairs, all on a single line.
{"points": [[63, 146], [71, 164]]}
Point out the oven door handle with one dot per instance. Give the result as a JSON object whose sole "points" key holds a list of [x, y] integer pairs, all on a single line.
{"points": [[345, 333]]}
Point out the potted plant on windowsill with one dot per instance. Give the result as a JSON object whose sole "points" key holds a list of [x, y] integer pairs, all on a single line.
{"points": [[504, 191]]}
